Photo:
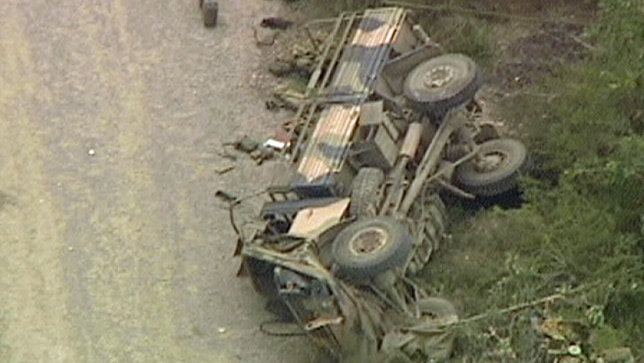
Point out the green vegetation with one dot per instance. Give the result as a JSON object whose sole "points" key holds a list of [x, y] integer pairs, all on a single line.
{"points": [[461, 34], [582, 228]]}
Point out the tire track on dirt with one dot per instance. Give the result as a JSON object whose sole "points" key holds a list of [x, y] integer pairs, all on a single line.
{"points": [[130, 262], [36, 326], [124, 283]]}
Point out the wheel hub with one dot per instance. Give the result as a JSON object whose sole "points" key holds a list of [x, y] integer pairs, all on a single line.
{"points": [[491, 161], [438, 77], [368, 241]]}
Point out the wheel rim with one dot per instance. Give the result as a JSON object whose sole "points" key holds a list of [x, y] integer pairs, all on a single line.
{"points": [[438, 77], [491, 161], [368, 241]]}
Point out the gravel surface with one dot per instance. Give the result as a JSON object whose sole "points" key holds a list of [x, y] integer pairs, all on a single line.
{"points": [[112, 114]]}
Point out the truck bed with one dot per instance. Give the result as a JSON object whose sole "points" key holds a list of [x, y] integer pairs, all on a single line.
{"points": [[359, 65]]}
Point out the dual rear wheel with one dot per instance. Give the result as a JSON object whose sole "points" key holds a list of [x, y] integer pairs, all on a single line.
{"points": [[441, 83]]}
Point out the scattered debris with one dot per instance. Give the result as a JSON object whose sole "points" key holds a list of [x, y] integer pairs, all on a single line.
{"points": [[225, 196], [262, 154], [569, 341], [281, 68], [258, 151], [264, 37], [91, 152], [276, 23], [287, 96], [300, 61], [563, 330], [209, 11], [306, 55], [245, 144], [224, 170], [272, 105], [275, 144]]}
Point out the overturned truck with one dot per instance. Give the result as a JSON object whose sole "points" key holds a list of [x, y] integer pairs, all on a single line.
{"points": [[387, 124]]}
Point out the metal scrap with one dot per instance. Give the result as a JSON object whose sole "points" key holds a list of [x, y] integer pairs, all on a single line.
{"points": [[225, 196], [225, 169], [287, 96], [276, 23]]}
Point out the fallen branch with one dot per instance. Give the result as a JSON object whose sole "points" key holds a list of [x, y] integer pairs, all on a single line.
{"points": [[513, 308], [545, 300]]}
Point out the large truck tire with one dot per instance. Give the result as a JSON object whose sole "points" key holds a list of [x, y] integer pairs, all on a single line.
{"points": [[371, 246], [441, 83], [495, 171], [365, 192]]}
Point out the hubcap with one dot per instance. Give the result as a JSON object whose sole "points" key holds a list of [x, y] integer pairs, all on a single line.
{"points": [[368, 241], [438, 77]]}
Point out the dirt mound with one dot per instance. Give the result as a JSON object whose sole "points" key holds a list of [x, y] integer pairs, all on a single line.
{"points": [[530, 57]]}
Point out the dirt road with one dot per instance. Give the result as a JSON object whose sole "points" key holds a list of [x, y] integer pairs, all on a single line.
{"points": [[112, 246]]}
